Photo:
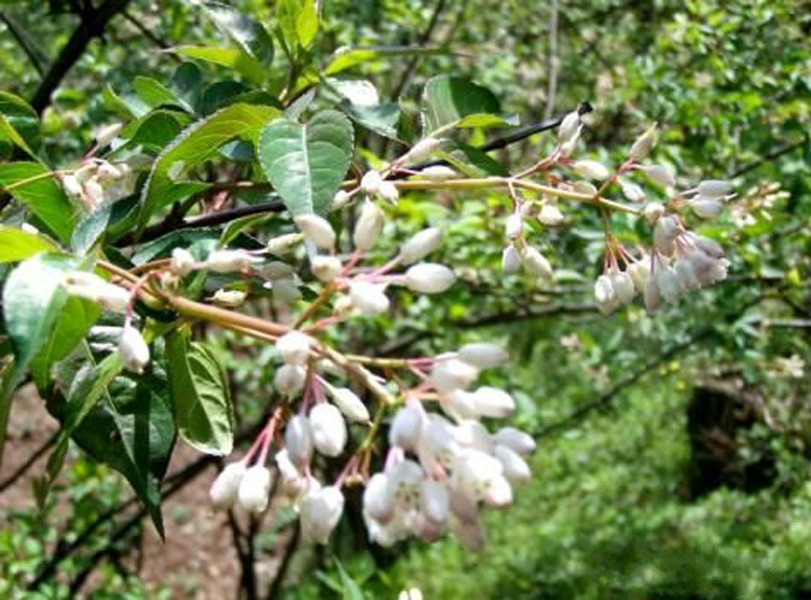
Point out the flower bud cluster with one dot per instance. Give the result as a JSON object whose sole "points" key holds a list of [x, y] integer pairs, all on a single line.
{"points": [[97, 182], [94, 288], [444, 468]]}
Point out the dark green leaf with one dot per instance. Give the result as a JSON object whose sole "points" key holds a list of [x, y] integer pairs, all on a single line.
{"points": [[471, 161], [20, 122], [307, 163], [449, 99], [186, 83], [90, 229], [220, 94], [248, 33]]}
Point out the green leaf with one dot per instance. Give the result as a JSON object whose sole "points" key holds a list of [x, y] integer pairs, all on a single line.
{"points": [[196, 144], [349, 57], [220, 94], [248, 33], [449, 99], [19, 123], [125, 107], [298, 20], [230, 58], [485, 120], [382, 118], [307, 163], [44, 197], [155, 94], [203, 411], [181, 238], [186, 83], [17, 245], [471, 161], [349, 587], [154, 130], [237, 226], [91, 228]]}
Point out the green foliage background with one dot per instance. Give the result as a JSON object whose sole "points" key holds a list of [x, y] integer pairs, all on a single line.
{"points": [[608, 513]]}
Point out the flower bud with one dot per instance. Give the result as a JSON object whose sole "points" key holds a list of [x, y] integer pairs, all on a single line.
{"points": [[686, 274], [434, 501], [316, 230], [514, 226], [569, 127], [72, 186], [223, 492], [229, 298], [438, 173], [591, 169], [182, 262], [584, 187], [133, 349], [289, 379], [106, 172], [516, 470], [369, 225], [604, 293], [326, 268], [483, 355], [459, 404], [229, 261], [254, 489], [294, 347], [714, 188], [643, 145], [660, 174], [349, 404], [706, 208], [515, 439], [93, 193], [340, 200], [639, 271], [623, 286], [320, 512], [493, 402], [377, 502], [536, 263], [389, 192], [107, 134], [94, 288], [328, 429], [664, 235], [298, 440], [285, 290], [709, 247], [420, 245], [510, 260], [283, 244], [410, 594], [429, 278], [470, 433], [550, 215], [653, 211], [370, 183], [406, 427], [632, 191], [451, 374], [368, 298], [669, 284], [421, 150], [277, 269], [651, 295]]}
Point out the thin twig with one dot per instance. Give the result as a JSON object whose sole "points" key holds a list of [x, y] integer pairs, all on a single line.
{"points": [[34, 54], [554, 61], [21, 470]]}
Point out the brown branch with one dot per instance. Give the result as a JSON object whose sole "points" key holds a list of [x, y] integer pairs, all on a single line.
{"points": [[11, 479], [91, 25], [34, 54]]}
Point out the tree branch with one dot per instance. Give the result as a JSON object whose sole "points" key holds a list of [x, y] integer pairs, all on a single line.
{"points": [[11, 479], [34, 54]]}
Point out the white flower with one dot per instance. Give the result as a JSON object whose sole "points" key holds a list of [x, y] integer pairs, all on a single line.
{"points": [[706, 208], [434, 501], [326, 268], [514, 226], [536, 263], [516, 470], [106, 134], [223, 492], [182, 262], [664, 235], [349, 404], [686, 274], [668, 282], [420, 245], [421, 150], [639, 271], [410, 594], [133, 349], [93, 193], [320, 512], [328, 429], [714, 188], [370, 183], [493, 402], [298, 440], [651, 294], [510, 260], [643, 145], [550, 215], [709, 247], [429, 278], [450, 374], [660, 174], [254, 489], [230, 298], [585, 187], [389, 191], [515, 439], [623, 286], [277, 269], [404, 484], [631, 190], [653, 211], [368, 298], [72, 186], [604, 294], [370, 224], [469, 533], [316, 230], [569, 127], [483, 355], [437, 173], [591, 169], [293, 482], [289, 379], [107, 172], [340, 200], [377, 501], [459, 404], [228, 261], [406, 427], [294, 347], [283, 244]]}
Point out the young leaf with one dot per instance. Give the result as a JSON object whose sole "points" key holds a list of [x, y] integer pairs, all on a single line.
{"points": [[155, 94], [197, 143], [347, 58], [203, 411], [44, 197], [230, 58], [298, 20], [19, 122], [448, 100], [307, 163], [17, 245], [248, 33]]}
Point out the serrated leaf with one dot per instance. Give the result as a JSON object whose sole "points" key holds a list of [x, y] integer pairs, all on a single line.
{"points": [[197, 143], [44, 197], [230, 58], [447, 100], [17, 245], [248, 33], [307, 163], [203, 411]]}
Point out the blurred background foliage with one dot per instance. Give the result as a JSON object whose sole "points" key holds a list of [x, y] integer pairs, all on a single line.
{"points": [[673, 457]]}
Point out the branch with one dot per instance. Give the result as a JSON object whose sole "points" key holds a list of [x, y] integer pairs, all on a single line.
{"points": [[34, 54], [11, 479], [287, 558], [161, 43], [552, 88], [768, 157], [90, 26], [423, 41]]}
